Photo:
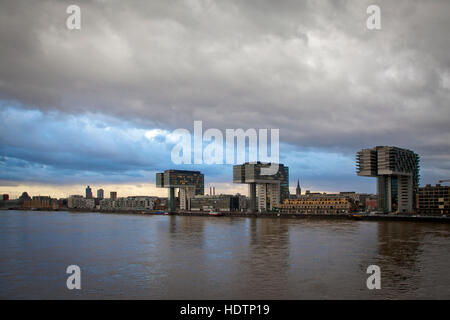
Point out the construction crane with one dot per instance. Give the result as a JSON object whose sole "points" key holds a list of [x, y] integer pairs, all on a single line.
{"points": [[448, 180]]}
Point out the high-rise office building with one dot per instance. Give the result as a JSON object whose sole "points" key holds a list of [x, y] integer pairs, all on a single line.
{"points": [[265, 191], [189, 183], [113, 195], [88, 193], [397, 172], [100, 194]]}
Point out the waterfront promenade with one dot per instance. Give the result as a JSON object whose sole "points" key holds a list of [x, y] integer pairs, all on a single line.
{"points": [[341, 216]]}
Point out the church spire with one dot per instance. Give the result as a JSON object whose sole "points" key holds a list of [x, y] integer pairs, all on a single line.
{"points": [[298, 190]]}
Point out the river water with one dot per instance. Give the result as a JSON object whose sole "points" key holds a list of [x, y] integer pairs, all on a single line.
{"points": [[173, 257]]}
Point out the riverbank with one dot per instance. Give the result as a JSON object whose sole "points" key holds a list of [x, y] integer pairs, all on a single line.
{"points": [[342, 216], [367, 217], [351, 216]]}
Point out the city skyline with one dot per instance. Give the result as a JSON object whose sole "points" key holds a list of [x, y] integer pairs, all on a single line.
{"points": [[146, 189], [113, 92], [149, 189], [208, 153]]}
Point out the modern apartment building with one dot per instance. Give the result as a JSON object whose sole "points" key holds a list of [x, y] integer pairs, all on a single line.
{"points": [[189, 183], [433, 200], [265, 191], [397, 173]]}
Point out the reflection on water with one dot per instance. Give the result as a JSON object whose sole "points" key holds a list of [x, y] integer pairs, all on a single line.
{"points": [[171, 257], [413, 257]]}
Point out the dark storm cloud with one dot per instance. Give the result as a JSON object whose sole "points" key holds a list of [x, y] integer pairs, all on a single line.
{"points": [[60, 149], [310, 68], [57, 148]]}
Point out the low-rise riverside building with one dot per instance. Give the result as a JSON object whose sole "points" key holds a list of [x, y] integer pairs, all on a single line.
{"points": [[128, 203], [371, 203], [14, 204], [78, 202], [221, 202], [360, 200], [433, 200], [40, 203], [243, 202], [319, 203], [161, 204]]}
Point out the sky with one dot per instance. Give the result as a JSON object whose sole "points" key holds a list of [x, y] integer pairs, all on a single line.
{"points": [[97, 106]]}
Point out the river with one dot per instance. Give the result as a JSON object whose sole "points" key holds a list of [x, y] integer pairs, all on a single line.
{"points": [[173, 257]]}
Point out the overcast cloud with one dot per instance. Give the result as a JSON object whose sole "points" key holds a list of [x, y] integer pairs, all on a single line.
{"points": [[310, 68]]}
